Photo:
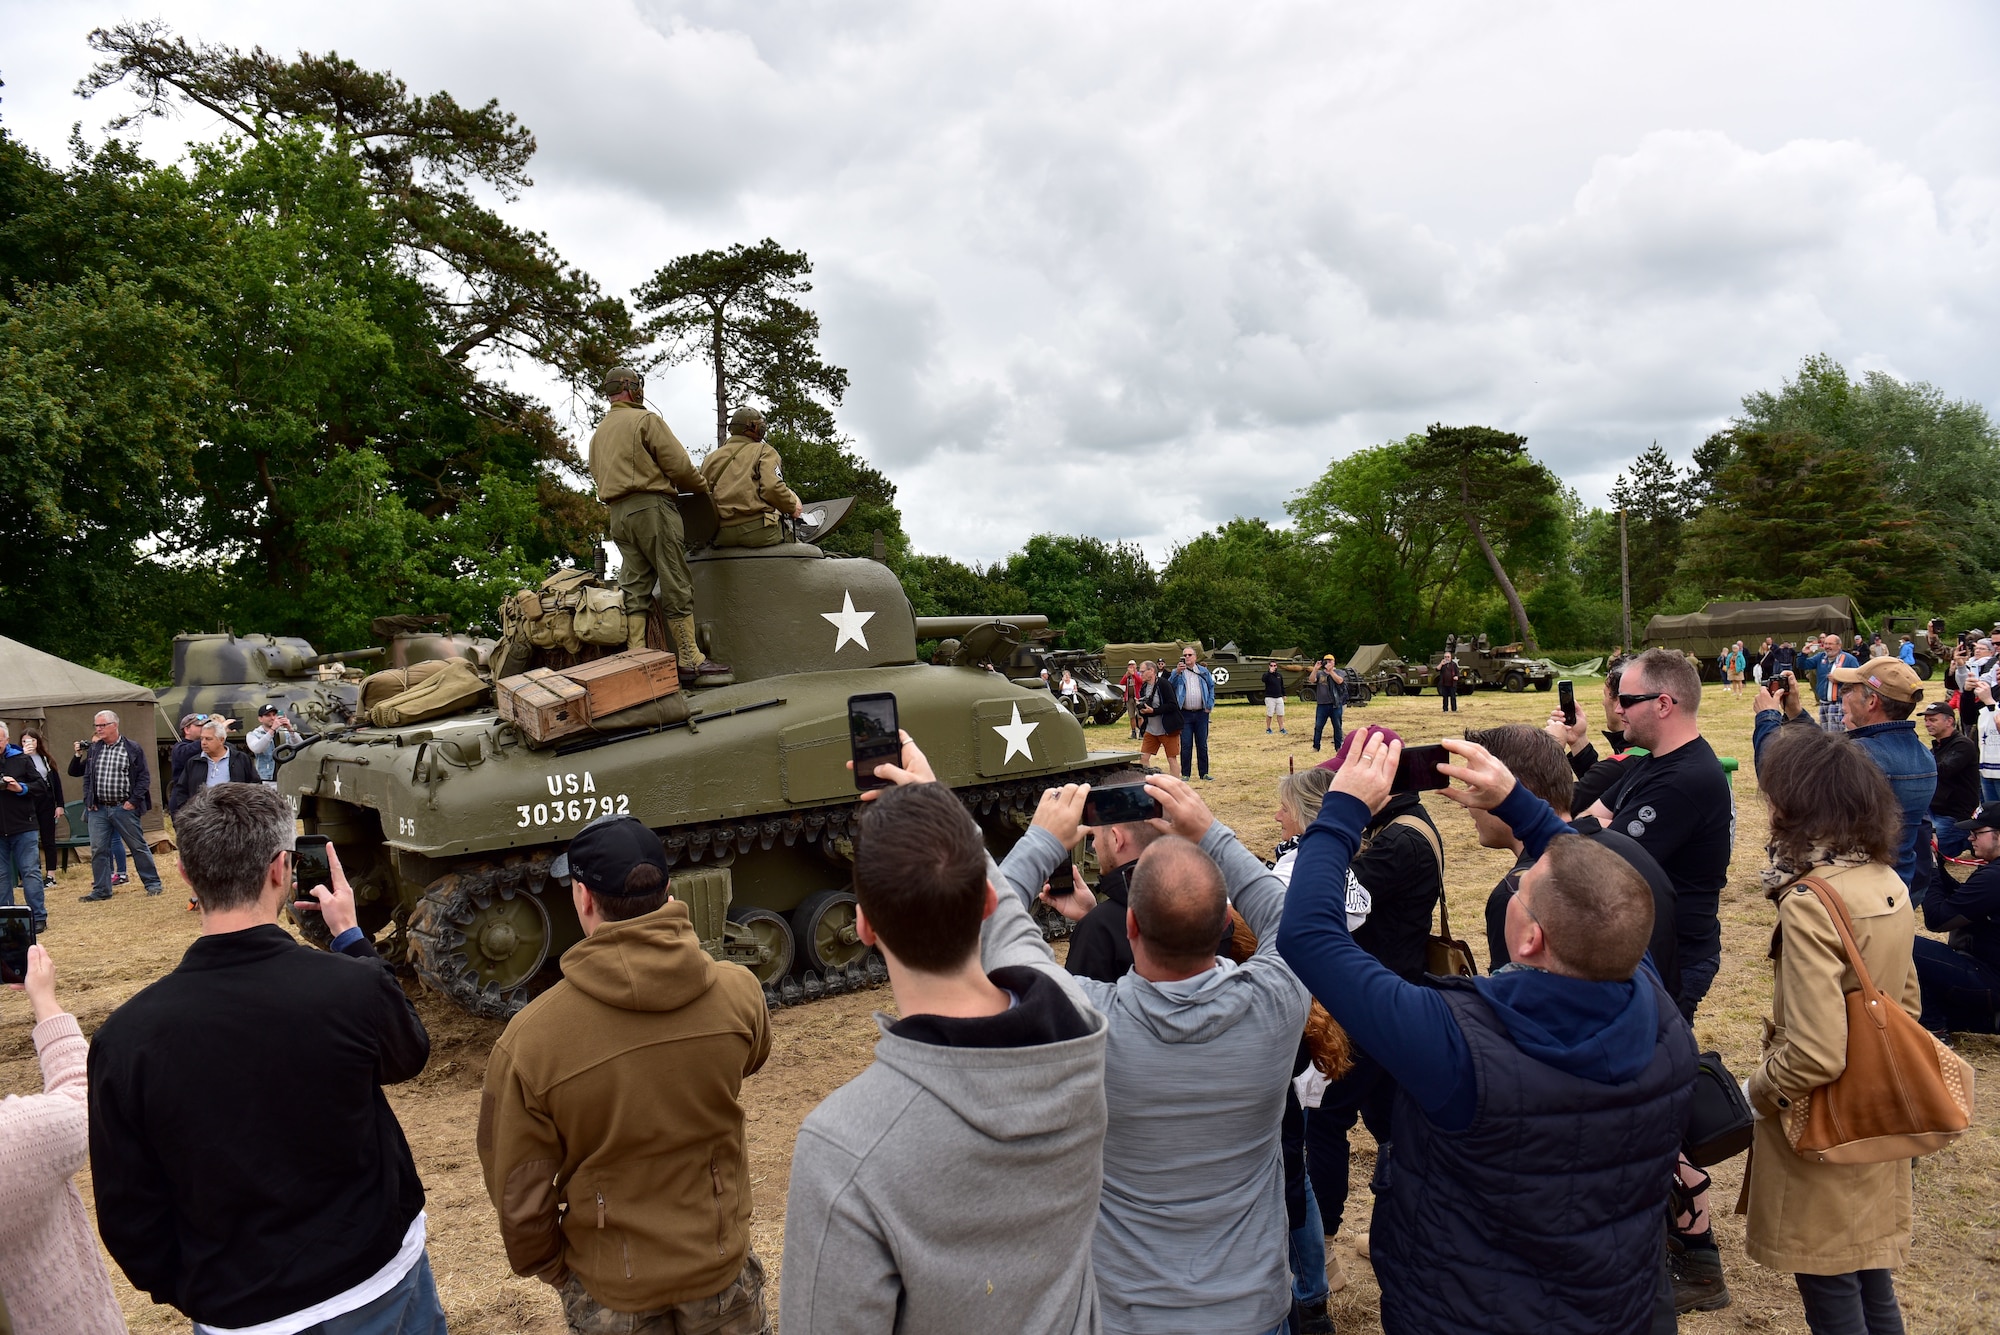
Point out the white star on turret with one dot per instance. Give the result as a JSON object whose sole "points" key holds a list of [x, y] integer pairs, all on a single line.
{"points": [[849, 622], [1016, 735]]}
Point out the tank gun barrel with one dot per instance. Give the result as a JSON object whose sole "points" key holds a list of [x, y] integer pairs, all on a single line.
{"points": [[937, 628], [350, 656]]}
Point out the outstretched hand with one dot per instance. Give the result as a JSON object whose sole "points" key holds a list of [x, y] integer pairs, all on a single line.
{"points": [[1182, 810], [1060, 812], [1571, 735], [335, 905], [1487, 781], [916, 768], [1369, 772], [39, 982], [1076, 905]]}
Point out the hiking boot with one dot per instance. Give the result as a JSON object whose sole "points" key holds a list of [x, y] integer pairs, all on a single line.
{"points": [[93, 897], [1311, 1319], [1336, 1273], [1697, 1276], [1361, 1245]]}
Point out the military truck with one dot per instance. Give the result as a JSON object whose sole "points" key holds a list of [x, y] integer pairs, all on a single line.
{"points": [[1383, 671], [1481, 664], [448, 829], [236, 675]]}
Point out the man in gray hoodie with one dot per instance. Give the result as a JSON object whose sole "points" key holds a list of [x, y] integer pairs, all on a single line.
{"points": [[953, 1185], [1191, 1234]]}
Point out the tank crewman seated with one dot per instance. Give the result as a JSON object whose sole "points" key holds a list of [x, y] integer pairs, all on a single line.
{"points": [[638, 466], [750, 492]]}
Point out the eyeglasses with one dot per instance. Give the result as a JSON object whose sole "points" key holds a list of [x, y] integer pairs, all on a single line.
{"points": [[1627, 701]]}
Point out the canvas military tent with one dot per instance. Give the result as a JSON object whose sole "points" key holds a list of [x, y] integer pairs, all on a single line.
{"points": [[1705, 633], [59, 699]]}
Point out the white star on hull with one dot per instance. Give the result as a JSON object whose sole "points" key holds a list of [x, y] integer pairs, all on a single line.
{"points": [[1016, 735], [848, 622]]}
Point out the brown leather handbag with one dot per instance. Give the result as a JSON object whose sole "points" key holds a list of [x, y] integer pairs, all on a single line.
{"points": [[1903, 1093]]}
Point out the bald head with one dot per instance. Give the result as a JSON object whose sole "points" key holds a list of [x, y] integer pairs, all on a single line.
{"points": [[1179, 904]]}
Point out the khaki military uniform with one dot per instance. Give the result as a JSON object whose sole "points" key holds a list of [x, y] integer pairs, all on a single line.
{"points": [[638, 466], [750, 493]]}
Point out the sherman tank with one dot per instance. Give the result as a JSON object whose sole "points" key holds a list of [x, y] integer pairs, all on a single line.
{"points": [[236, 675], [448, 828]]}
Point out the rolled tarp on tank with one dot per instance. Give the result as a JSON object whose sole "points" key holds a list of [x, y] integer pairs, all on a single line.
{"points": [[60, 699], [1707, 632]]}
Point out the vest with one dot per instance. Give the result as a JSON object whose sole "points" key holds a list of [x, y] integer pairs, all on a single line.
{"points": [[1546, 1215]]}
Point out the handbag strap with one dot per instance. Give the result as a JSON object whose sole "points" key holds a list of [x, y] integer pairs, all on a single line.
{"points": [[1830, 900], [1430, 836]]}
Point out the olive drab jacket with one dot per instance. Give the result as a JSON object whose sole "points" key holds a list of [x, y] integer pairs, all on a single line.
{"points": [[634, 450], [745, 476]]}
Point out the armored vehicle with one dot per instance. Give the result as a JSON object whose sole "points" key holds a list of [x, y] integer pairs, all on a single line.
{"points": [[1241, 676], [407, 640], [236, 675], [1383, 672], [448, 828], [1096, 700], [1483, 664]]}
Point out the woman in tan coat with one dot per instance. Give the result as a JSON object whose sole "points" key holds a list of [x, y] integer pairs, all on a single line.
{"points": [[1839, 1228]]}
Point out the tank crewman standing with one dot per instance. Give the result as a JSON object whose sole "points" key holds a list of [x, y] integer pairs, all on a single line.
{"points": [[638, 465], [750, 491]]}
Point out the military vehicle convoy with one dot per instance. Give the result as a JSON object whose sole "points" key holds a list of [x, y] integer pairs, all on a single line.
{"points": [[1483, 664], [447, 829], [236, 675]]}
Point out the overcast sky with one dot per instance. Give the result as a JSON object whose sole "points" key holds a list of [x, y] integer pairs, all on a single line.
{"points": [[1131, 269]]}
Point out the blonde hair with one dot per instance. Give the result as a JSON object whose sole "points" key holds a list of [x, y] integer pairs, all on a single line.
{"points": [[1300, 794]]}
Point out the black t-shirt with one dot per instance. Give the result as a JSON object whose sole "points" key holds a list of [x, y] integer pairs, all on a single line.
{"points": [[1678, 808], [1042, 1013], [1274, 685]]}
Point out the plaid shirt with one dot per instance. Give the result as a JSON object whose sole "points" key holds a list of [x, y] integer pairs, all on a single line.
{"points": [[113, 773]]}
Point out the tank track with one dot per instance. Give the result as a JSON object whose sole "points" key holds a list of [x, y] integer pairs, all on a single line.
{"points": [[437, 938]]}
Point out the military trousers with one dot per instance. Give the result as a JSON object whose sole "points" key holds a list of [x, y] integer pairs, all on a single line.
{"points": [[737, 1310], [652, 545], [750, 533]]}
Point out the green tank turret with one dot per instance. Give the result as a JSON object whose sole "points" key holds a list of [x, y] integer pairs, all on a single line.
{"points": [[448, 828], [236, 675]]}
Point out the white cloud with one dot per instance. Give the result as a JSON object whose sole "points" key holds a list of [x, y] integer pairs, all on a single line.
{"points": [[1131, 269]]}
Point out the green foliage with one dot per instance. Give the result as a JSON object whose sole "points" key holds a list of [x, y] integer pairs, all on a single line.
{"points": [[1240, 584], [1508, 502], [1091, 591], [821, 469], [939, 586]]}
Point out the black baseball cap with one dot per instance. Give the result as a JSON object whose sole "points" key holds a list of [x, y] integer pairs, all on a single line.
{"points": [[266, 709], [1940, 707], [1986, 818], [604, 853]]}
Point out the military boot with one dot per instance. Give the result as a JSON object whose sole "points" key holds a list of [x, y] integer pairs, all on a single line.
{"points": [[635, 631], [695, 669], [1697, 1277]]}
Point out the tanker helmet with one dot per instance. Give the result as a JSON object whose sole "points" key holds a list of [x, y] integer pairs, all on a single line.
{"points": [[744, 418], [621, 378]]}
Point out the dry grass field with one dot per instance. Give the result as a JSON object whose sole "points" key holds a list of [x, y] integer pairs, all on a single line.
{"points": [[106, 952]]}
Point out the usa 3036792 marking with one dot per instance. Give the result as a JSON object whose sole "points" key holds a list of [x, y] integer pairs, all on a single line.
{"points": [[575, 809]]}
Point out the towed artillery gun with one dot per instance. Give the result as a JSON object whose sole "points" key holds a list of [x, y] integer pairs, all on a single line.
{"points": [[448, 828]]}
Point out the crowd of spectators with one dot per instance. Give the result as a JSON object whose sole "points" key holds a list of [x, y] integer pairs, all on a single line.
{"points": [[1150, 1136]]}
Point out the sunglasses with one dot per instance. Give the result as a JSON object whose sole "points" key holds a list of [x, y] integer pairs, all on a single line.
{"points": [[1627, 701]]}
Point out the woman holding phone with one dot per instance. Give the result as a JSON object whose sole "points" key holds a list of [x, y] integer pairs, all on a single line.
{"points": [[51, 799]]}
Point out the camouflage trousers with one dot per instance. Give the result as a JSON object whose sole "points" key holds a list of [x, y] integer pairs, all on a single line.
{"points": [[737, 1310]]}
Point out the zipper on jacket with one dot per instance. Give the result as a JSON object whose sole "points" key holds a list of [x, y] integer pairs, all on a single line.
{"points": [[715, 1175]]}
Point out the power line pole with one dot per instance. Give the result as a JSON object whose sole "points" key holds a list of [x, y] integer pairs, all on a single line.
{"points": [[1625, 581]]}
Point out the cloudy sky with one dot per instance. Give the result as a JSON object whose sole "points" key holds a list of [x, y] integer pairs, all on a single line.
{"points": [[1131, 269]]}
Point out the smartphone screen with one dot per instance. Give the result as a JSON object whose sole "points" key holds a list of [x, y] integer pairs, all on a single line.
{"points": [[1119, 804], [1566, 694], [1063, 880], [17, 933], [1416, 769], [875, 735], [310, 865]]}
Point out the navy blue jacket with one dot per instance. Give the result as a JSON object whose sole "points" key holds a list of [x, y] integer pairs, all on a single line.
{"points": [[85, 767], [1903, 759], [1971, 913]]}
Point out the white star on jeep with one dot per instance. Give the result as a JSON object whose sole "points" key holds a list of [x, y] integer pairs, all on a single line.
{"points": [[1016, 735], [849, 622]]}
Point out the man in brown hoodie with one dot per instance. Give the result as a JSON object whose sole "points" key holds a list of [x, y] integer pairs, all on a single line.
{"points": [[610, 1128]]}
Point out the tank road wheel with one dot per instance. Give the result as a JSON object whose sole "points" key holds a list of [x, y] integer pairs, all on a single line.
{"points": [[479, 942], [773, 935], [1545, 683], [1515, 680], [823, 926]]}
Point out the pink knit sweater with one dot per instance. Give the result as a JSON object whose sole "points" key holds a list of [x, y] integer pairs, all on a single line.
{"points": [[50, 1271]]}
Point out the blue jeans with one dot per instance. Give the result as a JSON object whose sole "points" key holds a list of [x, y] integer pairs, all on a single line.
{"points": [[1194, 732], [1322, 714], [1951, 840], [1989, 789], [104, 823], [411, 1308], [21, 860], [1960, 994], [1308, 1249]]}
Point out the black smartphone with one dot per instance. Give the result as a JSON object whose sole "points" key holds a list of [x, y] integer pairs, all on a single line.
{"points": [[1416, 769], [1566, 697], [17, 933], [875, 735], [1062, 881], [310, 866], [1119, 804]]}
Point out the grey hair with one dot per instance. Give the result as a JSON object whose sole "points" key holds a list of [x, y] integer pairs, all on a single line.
{"points": [[111, 714], [5, 731], [217, 727], [228, 835]]}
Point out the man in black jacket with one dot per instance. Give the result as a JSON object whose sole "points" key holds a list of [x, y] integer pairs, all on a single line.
{"points": [[1274, 698], [217, 762], [21, 789], [186, 748], [117, 791], [1099, 946], [1957, 795], [247, 1167]]}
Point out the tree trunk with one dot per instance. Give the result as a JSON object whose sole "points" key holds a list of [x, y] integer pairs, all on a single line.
{"points": [[721, 383], [1493, 561]]}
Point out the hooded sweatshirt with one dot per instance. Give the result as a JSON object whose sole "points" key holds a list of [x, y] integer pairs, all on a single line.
{"points": [[1191, 1236], [953, 1185], [616, 1094]]}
